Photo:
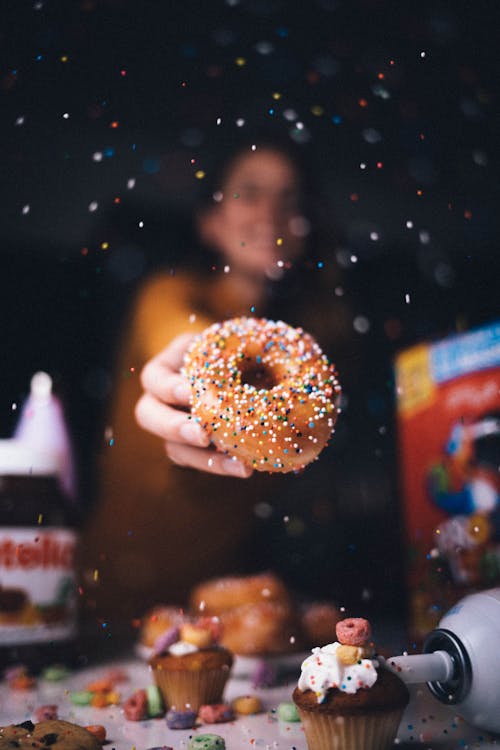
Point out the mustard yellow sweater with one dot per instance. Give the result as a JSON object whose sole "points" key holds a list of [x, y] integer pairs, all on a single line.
{"points": [[157, 529]]}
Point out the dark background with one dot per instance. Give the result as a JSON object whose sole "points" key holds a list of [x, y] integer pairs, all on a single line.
{"points": [[110, 107]]}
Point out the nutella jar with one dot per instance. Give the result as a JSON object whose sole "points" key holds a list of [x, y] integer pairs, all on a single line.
{"points": [[38, 612]]}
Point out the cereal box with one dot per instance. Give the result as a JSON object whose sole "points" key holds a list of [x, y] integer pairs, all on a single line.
{"points": [[448, 407]]}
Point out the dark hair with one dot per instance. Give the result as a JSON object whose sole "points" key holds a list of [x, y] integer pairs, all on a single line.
{"points": [[229, 146]]}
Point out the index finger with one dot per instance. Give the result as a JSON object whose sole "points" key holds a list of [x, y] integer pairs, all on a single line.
{"points": [[161, 377], [173, 354]]}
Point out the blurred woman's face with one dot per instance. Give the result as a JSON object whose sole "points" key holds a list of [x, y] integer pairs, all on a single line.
{"points": [[256, 223]]}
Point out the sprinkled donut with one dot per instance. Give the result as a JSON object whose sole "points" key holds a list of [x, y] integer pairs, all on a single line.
{"points": [[264, 392]]}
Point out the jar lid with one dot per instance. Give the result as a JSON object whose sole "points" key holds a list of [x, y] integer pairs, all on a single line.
{"points": [[17, 458]]}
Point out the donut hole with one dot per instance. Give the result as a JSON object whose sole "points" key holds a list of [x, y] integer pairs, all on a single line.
{"points": [[257, 375]]}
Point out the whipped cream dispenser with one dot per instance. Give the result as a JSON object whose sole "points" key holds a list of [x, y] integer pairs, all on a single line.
{"points": [[461, 660]]}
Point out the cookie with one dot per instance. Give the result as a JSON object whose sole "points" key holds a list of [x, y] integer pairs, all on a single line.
{"points": [[54, 733]]}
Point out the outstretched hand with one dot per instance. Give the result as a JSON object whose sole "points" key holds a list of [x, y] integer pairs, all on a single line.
{"points": [[163, 410]]}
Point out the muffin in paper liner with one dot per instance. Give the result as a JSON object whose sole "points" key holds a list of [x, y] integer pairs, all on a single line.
{"points": [[364, 732], [345, 698], [191, 680]]}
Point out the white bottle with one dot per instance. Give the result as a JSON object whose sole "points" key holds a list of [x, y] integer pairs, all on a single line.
{"points": [[42, 427], [461, 660]]}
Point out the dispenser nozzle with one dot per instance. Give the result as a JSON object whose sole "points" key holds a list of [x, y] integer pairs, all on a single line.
{"points": [[435, 667]]}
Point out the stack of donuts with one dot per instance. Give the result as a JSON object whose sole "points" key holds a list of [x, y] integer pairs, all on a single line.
{"points": [[257, 616]]}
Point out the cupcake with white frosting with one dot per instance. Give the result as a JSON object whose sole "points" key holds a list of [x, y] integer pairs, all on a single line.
{"points": [[189, 666], [346, 700]]}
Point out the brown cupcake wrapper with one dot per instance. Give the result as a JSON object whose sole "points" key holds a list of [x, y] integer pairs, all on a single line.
{"points": [[188, 690], [361, 732]]}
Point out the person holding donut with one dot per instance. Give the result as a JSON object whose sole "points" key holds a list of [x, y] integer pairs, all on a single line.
{"points": [[172, 509]]}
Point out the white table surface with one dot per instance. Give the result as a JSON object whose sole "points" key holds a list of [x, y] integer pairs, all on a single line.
{"points": [[426, 724]]}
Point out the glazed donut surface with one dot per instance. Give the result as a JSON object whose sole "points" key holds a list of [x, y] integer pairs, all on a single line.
{"points": [[264, 392], [263, 628], [219, 595]]}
